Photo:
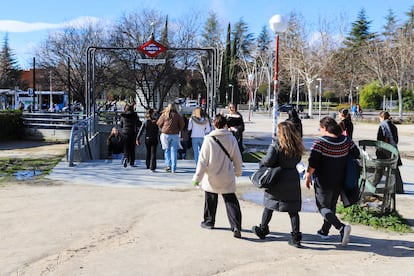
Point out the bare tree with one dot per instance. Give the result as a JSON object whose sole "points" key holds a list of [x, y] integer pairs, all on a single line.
{"points": [[64, 52]]}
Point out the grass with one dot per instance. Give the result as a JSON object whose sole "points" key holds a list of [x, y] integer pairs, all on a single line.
{"points": [[10, 166], [253, 157], [363, 215]]}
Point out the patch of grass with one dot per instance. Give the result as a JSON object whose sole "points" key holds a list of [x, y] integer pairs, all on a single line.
{"points": [[253, 157], [365, 216], [9, 166]]}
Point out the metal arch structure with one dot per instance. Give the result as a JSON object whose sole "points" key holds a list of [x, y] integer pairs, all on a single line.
{"points": [[90, 81]]}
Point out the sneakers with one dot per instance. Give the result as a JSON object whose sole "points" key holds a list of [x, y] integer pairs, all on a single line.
{"points": [[207, 225], [322, 235], [168, 169], [345, 232], [236, 233], [125, 162]]}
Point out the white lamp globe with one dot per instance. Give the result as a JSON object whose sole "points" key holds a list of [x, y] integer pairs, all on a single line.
{"points": [[278, 23]]}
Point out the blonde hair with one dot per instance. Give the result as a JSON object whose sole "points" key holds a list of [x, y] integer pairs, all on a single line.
{"points": [[197, 112], [289, 138], [171, 108]]}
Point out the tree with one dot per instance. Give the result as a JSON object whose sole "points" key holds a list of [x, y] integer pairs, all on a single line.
{"points": [[63, 53], [9, 71]]}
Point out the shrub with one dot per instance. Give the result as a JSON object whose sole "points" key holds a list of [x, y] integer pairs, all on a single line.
{"points": [[11, 125]]}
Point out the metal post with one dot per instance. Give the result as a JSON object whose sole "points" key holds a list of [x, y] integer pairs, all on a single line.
{"points": [[275, 83]]}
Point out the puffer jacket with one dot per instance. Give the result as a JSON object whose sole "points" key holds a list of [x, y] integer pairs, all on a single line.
{"points": [[215, 170]]}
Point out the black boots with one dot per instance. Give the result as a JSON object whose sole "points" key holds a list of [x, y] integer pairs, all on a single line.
{"points": [[261, 231], [295, 239]]}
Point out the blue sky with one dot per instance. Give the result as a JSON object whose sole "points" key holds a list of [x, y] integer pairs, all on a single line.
{"points": [[28, 22]]}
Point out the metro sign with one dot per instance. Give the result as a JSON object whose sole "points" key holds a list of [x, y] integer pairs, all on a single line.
{"points": [[152, 48]]}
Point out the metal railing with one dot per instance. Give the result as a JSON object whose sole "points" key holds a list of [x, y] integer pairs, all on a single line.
{"points": [[80, 134], [49, 120]]}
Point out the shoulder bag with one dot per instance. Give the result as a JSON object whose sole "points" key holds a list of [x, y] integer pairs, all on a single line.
{"points": [[265, 177]]}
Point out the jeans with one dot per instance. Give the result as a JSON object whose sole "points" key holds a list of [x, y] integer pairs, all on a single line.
{"points": [[197, 142], [170, 153]]}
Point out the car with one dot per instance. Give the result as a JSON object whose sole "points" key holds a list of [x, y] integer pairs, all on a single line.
{"points": [[191, 103], [287, 107]]}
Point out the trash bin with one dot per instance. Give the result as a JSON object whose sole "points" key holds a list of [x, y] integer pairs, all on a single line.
{"points": [[377, 180]]}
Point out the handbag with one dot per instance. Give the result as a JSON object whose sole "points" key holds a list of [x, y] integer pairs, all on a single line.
{"points": [[265, 177], [350, 193]]}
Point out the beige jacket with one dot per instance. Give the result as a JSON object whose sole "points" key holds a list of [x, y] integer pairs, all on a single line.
{"points": [[214, 170]]}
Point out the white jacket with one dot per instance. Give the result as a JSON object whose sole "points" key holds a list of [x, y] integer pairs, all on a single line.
{"points": [[214, 169]]}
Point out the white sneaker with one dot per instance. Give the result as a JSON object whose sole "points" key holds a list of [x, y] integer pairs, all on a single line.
{"points": [[345, 232]]}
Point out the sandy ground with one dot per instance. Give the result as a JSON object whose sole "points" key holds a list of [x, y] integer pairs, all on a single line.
{"points": [[54, 228]]}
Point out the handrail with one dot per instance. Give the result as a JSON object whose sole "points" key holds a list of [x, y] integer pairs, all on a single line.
{"points": [[79, 135]]}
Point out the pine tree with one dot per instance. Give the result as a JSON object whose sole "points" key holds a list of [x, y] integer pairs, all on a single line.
{"points": [[9, 71]]}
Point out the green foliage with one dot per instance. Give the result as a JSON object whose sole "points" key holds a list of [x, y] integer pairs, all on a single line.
{"points": [[11, 125], [365, 216], [253, 157], [370, 96], [9, 166]]}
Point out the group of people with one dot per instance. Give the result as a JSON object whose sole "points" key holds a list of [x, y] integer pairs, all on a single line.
{"points": [[174, 131], [220, 162]]}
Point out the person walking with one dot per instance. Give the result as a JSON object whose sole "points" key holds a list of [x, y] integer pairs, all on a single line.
{"points": [[293, 117], [284, 195], [219, 163], [151, 139], [327, 165], [129, 124], [115, 144], [346, 123], [388, 132], [199, 125], [184, 140], [170, 123], [235, 123]]}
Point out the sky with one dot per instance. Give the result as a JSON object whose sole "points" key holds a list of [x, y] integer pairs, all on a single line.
{"points": [[28, 22]]}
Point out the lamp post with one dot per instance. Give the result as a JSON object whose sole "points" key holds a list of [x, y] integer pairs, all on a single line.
{"points": [[278, 24], [320, 96], [251, 78], [232, 90]]}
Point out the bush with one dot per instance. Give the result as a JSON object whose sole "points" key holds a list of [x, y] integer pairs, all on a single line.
{"points": [[11, 125], [365, 216]]}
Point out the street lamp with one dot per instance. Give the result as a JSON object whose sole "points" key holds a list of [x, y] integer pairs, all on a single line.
{"points": [[278, 24], [320, 96], [232, 90], [251, 78]]}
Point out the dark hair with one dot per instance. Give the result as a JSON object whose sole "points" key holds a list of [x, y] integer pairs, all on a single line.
{"points": [[330, 125], [345, 113], [220, 121], [385, 115], [293, 114]]}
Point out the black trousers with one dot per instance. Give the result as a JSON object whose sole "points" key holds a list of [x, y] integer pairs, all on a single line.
{"points": [[151, 156], [129, 147], [232, 208], [294, 219]]}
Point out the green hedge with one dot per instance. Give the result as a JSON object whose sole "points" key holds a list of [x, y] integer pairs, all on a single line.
{"points": [[11, 125]]}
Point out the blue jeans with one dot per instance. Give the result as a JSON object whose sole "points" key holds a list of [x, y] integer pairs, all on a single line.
{"points": [[197, 142], [170, 153]]}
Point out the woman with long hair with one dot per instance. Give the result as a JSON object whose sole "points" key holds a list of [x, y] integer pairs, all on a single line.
{"points": [[327, 168], [170, 123], [129, 124], [346, 123], [199, 125], [285, 194], [151, 139]]}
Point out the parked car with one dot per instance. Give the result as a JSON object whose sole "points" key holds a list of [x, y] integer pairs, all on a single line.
{"points": [[191, 103], [287, 107]]}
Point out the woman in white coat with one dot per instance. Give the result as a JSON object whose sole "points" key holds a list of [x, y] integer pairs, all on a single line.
{"points": [[218, 165]]}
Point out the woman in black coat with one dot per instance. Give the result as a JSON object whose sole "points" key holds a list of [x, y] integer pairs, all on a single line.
{"points": [[285, 194], [152, 134], [129, 125]]}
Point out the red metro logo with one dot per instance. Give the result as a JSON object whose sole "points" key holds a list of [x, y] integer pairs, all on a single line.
{"points": [[152, 48]]}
